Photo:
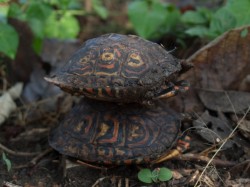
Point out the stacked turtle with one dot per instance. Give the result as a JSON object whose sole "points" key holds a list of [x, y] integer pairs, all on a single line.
{"points": [[117, 74]]}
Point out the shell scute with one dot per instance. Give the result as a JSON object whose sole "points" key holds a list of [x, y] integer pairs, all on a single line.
{"points": [[121, 62], [116, 134]]}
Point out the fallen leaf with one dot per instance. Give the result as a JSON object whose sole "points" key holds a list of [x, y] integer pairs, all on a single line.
{"points": [[38, 88], [57, 52], [7, 101], [223, 64], [245, 128], [241, 182], [213, 129], [225, 101]]}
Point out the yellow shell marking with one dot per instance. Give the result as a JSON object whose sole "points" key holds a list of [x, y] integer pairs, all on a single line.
{"points": [[135, 60], [103, 130], [78, 127], [107, 56]]}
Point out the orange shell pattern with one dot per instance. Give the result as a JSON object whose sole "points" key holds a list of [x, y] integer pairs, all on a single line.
{"points": [[115, 66], [104, 132]]}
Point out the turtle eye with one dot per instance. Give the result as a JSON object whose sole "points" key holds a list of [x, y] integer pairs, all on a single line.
{"points": [[107, 56]]}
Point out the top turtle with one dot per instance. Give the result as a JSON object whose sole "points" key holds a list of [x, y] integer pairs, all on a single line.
{"points": [[120, 68]]}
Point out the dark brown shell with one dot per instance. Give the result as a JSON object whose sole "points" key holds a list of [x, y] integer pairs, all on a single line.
{"points": [[103, 132], [115, 67]]}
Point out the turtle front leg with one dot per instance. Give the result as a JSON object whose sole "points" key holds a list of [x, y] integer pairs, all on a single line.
{"points": [[171, 89]]}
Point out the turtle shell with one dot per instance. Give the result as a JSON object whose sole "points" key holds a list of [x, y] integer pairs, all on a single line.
{"points": [[108, 133], [119, 68]]}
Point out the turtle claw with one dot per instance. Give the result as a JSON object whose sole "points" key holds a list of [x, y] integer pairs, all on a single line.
{"points": [[174, 89], [183, 144], [183, 86], [173, 153]]}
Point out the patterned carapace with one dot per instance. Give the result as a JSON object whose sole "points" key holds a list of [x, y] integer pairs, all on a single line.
{"points": [[120, 68], [109, 133]]}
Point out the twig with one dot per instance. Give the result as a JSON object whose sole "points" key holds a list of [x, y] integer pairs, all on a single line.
{"points": [[126, 182], [119, 183], [199, 158], [42, 154], [224, 142], [98, 181], [89, 165], [8, 184], [26, 134], [17, 153], [232, 105]]}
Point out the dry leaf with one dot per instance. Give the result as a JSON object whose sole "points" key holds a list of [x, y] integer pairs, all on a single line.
{"points": [[225, 101], [56, 52], [213, 129], [7, 101], [38, 88], [222, 64], [241, 182], [245, 128]]}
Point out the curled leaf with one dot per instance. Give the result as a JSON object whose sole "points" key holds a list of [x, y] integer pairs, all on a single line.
{"points": [[6, 161]]}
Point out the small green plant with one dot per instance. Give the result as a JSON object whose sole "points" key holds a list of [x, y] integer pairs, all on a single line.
{"points": [[157, 175], [206, 24], [152, 18], [46, 18], [6, 161]]}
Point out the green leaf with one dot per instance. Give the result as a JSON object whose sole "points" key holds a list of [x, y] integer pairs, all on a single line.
{"points": [[240, 10], [4, 9], [38, 10], [165, 174], [146, 16], [145, 176], [155, 174], [16, 12], [4, 1], [222, 21], [199, 31], [37, 44], [6, 161], [37, 27], [206, 13], [64, 4], [172, 17], [100, 9], [244, 33], [8, 40], [63, 26], [193, 17], [36, 15]]}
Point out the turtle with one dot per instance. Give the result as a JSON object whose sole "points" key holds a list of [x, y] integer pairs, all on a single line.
{"points": [[102, 132], [121, 68]]}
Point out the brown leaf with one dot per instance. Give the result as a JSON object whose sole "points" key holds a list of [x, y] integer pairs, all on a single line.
{"points": [[213, 129], [245, 128], [222, 64], [225, 101], [56, 52]]}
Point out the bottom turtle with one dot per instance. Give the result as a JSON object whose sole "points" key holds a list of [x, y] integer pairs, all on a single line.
{"points": [[109, 133]]}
